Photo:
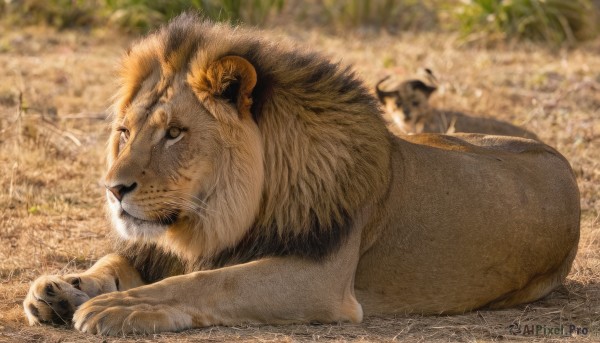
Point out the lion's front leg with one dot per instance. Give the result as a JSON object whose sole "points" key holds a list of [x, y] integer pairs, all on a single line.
{"points": [[142, 311], [273, 291], [54, 298]]}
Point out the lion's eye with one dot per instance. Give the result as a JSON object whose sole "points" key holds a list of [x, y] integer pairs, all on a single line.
{"points": [[124, 132], [173, 132]]}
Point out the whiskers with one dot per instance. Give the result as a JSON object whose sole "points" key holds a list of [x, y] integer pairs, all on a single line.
{"points": [[187, 202], [167, 206]]}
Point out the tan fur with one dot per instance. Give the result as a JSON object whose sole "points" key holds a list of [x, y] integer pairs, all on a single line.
{"points": [[253, 183], [218, 76], [407, 111]]}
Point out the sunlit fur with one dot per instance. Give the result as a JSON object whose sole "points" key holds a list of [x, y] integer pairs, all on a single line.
{"points": [[282, 167], [262, 186]]}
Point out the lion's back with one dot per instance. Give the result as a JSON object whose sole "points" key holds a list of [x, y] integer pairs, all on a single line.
{"points": [[445, 121]]}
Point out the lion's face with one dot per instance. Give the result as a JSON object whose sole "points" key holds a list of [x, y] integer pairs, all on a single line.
{"points": [[408, 104], [186, 157], [163, 161], [413, 101]]}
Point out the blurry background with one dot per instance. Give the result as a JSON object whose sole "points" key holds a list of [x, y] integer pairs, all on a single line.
{"points": [[534, 63], [555, 21]]}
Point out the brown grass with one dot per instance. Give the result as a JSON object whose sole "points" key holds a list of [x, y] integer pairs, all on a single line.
{"points": [[55, 86]]}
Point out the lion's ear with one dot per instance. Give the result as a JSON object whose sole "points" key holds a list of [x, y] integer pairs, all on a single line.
{"points": [[232, 78]]}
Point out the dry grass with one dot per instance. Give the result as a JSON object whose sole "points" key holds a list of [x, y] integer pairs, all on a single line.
{"points": [[54, 85]]}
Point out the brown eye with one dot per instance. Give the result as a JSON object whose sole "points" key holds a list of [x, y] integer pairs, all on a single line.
{"points": [[124, 133], [173, 132]]}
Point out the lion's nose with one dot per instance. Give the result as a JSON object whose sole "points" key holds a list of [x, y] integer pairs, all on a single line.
{"points": [[119, 191]]}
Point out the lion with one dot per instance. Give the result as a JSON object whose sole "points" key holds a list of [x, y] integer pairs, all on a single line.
{"points": [[251, 181], [407, 110]]}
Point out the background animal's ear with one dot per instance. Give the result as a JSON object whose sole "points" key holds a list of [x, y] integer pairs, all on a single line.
{"points": [[428, 90], [430, 77], [232, 78]]}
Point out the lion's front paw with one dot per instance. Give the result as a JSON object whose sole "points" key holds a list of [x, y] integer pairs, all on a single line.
{"points": [[122, 313], [53, 299]]}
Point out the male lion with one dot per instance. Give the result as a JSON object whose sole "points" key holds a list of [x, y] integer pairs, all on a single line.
{"points": [[407, 110], [252, 182]]}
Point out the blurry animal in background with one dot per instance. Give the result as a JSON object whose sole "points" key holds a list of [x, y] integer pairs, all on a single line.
{"points": [[406, 104], [407, 110]]}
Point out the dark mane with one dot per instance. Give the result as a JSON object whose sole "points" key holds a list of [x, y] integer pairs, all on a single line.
{"points": [[326, 148]]}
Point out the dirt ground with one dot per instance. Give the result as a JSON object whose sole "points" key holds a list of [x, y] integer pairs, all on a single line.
{"points": [[55, 88]]}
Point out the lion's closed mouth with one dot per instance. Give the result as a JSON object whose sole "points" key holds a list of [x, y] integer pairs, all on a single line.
{"points": [[165, 220]]}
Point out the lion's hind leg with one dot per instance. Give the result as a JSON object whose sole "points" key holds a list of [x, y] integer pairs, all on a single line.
{"points": [[538, 287]]}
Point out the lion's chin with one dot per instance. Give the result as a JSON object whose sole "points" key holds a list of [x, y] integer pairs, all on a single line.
{"points": [[131, 227]]}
